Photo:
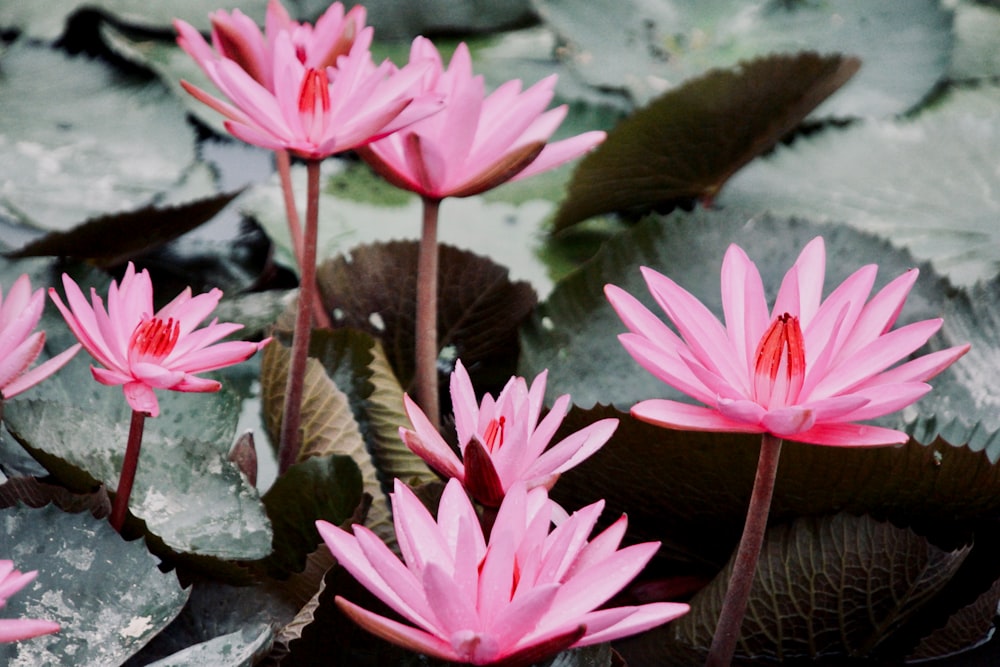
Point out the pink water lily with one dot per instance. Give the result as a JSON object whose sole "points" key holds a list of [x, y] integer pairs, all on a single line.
{"points": [[479, 141], [808, 370], [515, 599], [20, 344], [16, 629], [313, 111], [501, 440], [237, 37], [143, 349]]}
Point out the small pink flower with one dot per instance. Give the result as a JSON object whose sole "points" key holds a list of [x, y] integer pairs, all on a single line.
{"points": [[525, 594], [501, 440], [478, 141], [805, 372], [16, 629], [237, 37], [312, 110], [145, 350], [19, 344]]}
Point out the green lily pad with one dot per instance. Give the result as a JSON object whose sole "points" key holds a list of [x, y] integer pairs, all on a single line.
{"points": [[108, 595], [929, 183], [652, 46], [46, 19], [186, 491], [573, 333], [689, 141], [116, 144], [837, 586], [242, 648]]}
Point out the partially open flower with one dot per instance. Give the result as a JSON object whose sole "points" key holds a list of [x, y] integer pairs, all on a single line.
{"points": [[144, 350], [521, 596], [807, 371], [20, 345], [501, 440], [479, 141], [16, 629]]}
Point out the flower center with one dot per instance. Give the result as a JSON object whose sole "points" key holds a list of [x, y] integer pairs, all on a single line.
{"points": [[314, 103], [493, 438], [780, 366], [154, 339]]}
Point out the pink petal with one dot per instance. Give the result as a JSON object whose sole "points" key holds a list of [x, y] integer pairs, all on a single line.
{"points": [[402, 635], [673, 414], [667, 366], [38, 373], [141, 398], [18, 629], [801, 290], [428, 444], [638, 619], [573, 450], [851, 435], [744, 304], [560, 152]]}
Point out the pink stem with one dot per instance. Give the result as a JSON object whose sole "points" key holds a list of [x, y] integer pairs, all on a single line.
{"points": [[290, 442], [129, 465], [425, 374], [284, 163], [734, 605]]}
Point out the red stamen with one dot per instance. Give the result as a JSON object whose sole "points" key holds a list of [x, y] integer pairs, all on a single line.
{"points": [[155, 338], [314, 102], [781, 346], [493, 438]]}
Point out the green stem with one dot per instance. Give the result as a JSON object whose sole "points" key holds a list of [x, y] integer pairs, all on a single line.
{"points": [[120, 507], [734, 605], [426, 375], [290, 442], [284, 163]]}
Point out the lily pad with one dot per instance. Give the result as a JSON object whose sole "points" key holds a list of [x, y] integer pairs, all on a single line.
{"points": [[242, 648], [826, 587], [654, 45], [929, 183], [116, 145], [108, 595], [186, 491], [689, 141], [46, 19]]}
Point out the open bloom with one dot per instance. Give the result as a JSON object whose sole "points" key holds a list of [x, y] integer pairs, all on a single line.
{"points": [[142, 349], [20, 345], [806, 371], [478, 141], [501, 440], [313, 110], [524, 595], [237, 37], [16, 629]]}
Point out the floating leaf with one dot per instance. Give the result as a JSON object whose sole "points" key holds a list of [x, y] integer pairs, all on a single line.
{"points": [[968, 628], [835, 586], [328, 424], [114, 144], [324, 487], [186, 491], [242, 648], [929, 183], [688, 142], [479, 308], [648, 46], [112, 239], [108, 595]]}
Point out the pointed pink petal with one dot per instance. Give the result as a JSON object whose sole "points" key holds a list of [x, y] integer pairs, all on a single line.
{"points": [[573, 450], [406, 636], [920, 369], [667, 366], [851, 435], [886, 399], [673, 414], [879, 314], [600, 627], [802, 288], [560, 152], [744, 305], [594, 586], [18, 629], [40, 372], [463, 399]]}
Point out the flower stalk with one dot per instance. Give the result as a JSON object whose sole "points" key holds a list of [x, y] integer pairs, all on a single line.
{"points": [[290, 442], [734, 605], [425, 377], [127, 478]]}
